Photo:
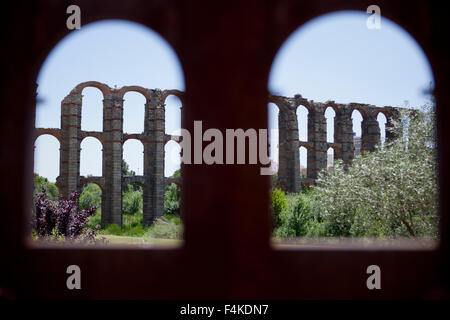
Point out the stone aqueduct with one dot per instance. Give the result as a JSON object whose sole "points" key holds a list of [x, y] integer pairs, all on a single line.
{"points": [[154, 139]]}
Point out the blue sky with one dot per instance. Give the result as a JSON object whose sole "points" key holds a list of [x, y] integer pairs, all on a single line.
{"points": [[336, 57], [333, 57]]}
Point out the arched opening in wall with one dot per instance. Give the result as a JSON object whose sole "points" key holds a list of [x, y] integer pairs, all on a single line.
{"points": [[133, 158], [348, 200], [91, 195], [92, 110], [133, 112], [302, 119], [46, 149], [173, 115], [330, 159], [91, 156], [357, 119], [382, 120], [329, 116], [303, 162], [101, 94]]}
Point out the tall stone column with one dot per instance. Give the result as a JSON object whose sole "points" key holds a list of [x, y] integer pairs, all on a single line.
{"points": [[317, 136], [391, 132], [288, 147], [154, 131], [370, 131], [69, 168], [112, 159], [343, 134]]}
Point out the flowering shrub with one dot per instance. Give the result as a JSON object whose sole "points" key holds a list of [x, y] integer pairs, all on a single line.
{"points": [[61, 220]]}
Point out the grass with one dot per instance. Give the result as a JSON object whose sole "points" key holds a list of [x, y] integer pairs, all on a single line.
{"points": [[140, 241]]}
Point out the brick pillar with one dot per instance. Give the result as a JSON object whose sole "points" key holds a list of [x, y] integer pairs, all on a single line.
{"points": [[112, 159], [391, 132], [288, 147], [343, 134], [154, 131], [370, 131], [317, 136], [69, 168]]}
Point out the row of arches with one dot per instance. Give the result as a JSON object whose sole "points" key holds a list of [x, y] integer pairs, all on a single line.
{"points": [[302, 112], [91, 156], [133, 111]]}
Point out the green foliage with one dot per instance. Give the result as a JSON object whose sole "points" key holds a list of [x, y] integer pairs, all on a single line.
{"points": [[50, 187], [278, 200], [166, 229], [172, 200], [299, 218], [91, 195], [390, 192], [132, 202]]}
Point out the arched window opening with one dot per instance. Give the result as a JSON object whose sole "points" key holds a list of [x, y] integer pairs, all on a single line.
{"points": [[303, 162], [382, 120], [133, 112], [91, 157], [330, 159], [329, 116], [173, 114], [302, 119], [46, 165], [357, 131], [92, 110], [133, 155]]}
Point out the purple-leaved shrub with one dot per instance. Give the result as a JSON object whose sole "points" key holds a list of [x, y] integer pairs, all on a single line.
{"points": [[61, 220]]}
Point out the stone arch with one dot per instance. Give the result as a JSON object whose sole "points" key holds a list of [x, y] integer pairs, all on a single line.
{"points": [[93, 134], [330, 158], [48, 155], [357, 119], [303, 156], [90, 149], [136, 136], [330, 118], [92, 109], [173, 109], [144, 91], [361, 109], [99, 181], [104, 88], [56, 133], [134, 111], [302, 113], [382, 121], [179, 94], [133, 154]]}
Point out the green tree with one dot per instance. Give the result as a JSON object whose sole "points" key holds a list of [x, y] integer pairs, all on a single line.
{"points": [[389, 192], [51, 189]]}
